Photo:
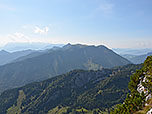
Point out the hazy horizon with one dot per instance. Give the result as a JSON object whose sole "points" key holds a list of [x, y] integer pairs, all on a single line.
{"points": [[115, 24], [88, 44]]}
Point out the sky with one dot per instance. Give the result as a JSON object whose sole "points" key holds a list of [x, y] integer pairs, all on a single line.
{"points": [[113, 23]]}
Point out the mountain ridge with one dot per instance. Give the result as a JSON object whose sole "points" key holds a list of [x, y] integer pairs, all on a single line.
{"points": [[8, 57], [56, 62]]}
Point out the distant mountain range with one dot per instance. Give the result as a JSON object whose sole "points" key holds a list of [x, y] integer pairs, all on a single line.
{"points": [[137, 59], [13, 47], [76, 92], [7, 57], [136, 56], [49, 63], [135, 52]]}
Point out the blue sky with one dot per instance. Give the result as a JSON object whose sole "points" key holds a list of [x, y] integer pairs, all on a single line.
{"points": [[114, 23]]}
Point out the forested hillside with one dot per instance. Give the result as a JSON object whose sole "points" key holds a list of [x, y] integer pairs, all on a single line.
{"points": [[75, 92], [139, 101]]}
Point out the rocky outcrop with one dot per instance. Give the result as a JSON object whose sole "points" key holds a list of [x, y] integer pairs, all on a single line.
{"points": [[150, 111]]}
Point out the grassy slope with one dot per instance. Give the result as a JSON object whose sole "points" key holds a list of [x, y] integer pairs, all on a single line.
{"points": [[17, 109]]}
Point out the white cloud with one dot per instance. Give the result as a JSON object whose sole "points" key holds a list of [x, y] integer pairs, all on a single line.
{"points": [[41, 31], [18, 37], [23, 38]]}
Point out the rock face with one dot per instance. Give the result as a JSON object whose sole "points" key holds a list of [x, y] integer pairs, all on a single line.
{"points": [[142, 86], [150, 111]]}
